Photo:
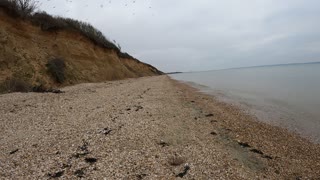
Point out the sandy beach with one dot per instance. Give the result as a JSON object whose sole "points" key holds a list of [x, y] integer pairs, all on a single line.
{"points": [[146, 128]]}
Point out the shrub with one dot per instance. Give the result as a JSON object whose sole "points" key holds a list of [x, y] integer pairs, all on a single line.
{"points": [[47, 22], [41, 89], [26, 7], [10, 7], [15, 85], [56, 67], [90, 32], [50, 23], [19, 8], [125, 55]]}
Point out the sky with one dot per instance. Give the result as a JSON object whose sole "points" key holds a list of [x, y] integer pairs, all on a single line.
{"points": [[199, 35]]}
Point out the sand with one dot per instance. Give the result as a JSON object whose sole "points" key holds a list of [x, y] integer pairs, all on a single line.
{"points": [[146, 128]]}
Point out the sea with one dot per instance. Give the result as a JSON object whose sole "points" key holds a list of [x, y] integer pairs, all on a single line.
{"points": [[286, 95]]}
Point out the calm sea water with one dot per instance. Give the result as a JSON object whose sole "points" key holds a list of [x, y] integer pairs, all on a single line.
{"points": [[284, 95]]}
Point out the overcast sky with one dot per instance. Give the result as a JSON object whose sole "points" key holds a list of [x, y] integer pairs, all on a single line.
{"points": [[195, 35]]}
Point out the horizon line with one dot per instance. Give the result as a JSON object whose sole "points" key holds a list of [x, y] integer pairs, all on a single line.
{"points": [[243, 67]]}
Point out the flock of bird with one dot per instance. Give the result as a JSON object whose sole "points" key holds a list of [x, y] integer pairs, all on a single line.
{"points": [[101, 5]]}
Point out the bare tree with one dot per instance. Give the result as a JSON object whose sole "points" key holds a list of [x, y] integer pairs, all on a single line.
{"points": [[26, 7]]}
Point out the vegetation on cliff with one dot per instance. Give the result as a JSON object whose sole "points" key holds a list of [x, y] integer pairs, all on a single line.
{"points": [[59, 51], [26, 9]]}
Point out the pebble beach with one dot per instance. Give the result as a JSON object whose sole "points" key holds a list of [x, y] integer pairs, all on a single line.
{"points": [[145, 128]]}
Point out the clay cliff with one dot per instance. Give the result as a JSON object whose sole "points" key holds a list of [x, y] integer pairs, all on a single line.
{"points": [[26, 49]]}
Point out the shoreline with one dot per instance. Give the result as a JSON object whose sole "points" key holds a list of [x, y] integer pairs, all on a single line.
{"points": [[152, 128], [261, 114], [278, 142]]}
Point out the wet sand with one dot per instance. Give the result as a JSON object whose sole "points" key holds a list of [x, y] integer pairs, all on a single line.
{"points": [[146, 128]]}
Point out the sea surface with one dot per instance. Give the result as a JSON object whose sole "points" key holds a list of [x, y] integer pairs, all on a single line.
{"points": [[283, 95]]}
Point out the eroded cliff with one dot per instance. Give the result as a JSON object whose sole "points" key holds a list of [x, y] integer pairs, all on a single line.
{"points": [[25, 50]]}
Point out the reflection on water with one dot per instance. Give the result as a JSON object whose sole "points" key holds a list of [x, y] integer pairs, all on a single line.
{"points": [[285, 95]]}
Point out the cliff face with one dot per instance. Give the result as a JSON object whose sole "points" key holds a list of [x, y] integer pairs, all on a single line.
{"points": [[26, 49]]}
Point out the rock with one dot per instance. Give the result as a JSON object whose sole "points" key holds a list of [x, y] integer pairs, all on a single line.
{"points": [[83, 150], [209, 115], [185, 171], [64, 165], [163, 144], [213, 133], [244, 145], [105, 131], [141, 176], [14, 151], [35, 145], [261, 153], [41, 89], [84, 147], [56, 174], [79, 173], [176, 161], [267, 157], [56, 91], [138, 108], [91, 160], [256, 151]]}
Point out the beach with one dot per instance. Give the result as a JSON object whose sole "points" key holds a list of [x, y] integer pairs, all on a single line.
{"points": [[145, 128]]}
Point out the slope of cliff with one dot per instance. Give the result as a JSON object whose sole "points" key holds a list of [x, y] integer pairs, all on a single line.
{"points": [[25, 50]]}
